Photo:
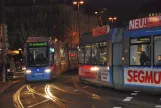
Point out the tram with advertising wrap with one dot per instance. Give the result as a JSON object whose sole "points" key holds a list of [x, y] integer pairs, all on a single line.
{"points": [[95, 55], [125, 58], [46, 59]]}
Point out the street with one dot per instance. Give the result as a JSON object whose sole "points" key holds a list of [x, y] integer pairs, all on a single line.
{"points": [[68, 91]]}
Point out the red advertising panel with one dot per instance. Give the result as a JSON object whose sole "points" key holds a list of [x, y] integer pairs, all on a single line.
{"points": [[142, 76], [147, 22], [101, 30], [86, 71]]}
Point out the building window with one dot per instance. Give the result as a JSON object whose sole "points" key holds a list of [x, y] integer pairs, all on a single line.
{"points": [[140, 51], [149, 14], [157, 50]]}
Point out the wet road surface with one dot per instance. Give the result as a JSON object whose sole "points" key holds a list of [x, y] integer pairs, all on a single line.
{"points": [[68, 92]]}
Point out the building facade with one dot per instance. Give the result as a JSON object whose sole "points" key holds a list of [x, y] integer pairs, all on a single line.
{"points": [[54, 20]]}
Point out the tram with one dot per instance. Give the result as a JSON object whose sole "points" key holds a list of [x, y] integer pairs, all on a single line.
{"points": [[123, 58], [46, 59]]}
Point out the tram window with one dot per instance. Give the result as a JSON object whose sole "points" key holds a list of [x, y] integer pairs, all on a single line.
{"points": [[88, 54], [140, 54], [37, 56], [103, 55], [140, 40], [103, 44], [62, 54], [157, 50], [72, 56], [81, 54], [95, 54], [51, 58]]}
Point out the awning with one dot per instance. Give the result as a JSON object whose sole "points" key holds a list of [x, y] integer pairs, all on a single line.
{"points": [[143, 32]]}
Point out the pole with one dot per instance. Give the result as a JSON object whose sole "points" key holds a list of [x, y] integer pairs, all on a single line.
{"points": [[79, 21], [3, 43]]}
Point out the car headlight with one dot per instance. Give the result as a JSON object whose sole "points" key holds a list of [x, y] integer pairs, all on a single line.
{"points": [[47, 70], [28, 71], [8, 70]]}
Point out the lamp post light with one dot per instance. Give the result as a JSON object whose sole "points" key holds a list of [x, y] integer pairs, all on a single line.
{"points": [[112, 19], [78, 3], [100, 13]]}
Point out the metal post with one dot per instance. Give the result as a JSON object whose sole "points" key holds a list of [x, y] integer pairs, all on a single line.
{"points": [[3, 43], [79, 22]]}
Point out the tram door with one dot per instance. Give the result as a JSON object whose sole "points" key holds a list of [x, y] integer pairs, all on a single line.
{"points": [[117, 64]]}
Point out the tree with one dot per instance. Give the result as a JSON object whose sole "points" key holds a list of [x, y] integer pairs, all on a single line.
{"points": [[39, 22]]}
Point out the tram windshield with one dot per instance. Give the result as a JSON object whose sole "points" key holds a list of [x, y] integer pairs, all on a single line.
{"points": [[37, 56]]}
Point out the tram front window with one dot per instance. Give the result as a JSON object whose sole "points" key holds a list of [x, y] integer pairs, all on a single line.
{"points": [[37, 56]]}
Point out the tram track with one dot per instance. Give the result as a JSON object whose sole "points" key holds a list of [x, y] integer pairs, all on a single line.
{"points": [[65, 91], [16, 98], [48, 95]]}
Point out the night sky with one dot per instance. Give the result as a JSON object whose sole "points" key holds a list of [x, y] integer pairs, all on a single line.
{"points": [[120, 8]]}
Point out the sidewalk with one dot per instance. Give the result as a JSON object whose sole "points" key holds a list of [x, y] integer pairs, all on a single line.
{"points": [[4, 86]]}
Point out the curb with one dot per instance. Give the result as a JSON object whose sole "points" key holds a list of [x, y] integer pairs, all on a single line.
{"points": [[5, 87]]}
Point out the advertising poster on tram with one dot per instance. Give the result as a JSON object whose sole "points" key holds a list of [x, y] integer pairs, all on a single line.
{"points": [[97, 73], [142, 76], [147, 22]]}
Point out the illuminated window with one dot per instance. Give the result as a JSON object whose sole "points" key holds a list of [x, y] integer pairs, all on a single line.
{"points": [[140, 51], [103, 53], [81, 54], [95, 54], [88, 54], [153, 14], [157, 50], [149, 14]]}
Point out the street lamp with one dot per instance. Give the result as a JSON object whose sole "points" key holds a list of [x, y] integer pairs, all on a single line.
{"points": [[78, 5], [112, 19], [100, 13]]}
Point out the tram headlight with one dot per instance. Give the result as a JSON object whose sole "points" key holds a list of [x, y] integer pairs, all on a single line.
{"points": [[47, 70], [28, 71], [94, 68], [24, 68]]}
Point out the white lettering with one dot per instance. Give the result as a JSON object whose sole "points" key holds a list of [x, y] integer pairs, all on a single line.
{"points": [[131, 25]]}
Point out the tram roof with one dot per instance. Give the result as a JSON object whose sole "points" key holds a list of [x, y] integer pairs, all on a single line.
{"points": [[87, 38], [142, 32]]}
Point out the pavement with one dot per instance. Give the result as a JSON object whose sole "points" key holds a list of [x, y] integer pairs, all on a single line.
{"points": [[6, 85], [69, 92]]}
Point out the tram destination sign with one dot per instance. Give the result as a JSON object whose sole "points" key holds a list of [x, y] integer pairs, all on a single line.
{"points": [[101, 30], [37, 44], [146, 22]]}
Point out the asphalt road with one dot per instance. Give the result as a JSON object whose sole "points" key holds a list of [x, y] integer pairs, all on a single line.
{"points": [[68, 92]]}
